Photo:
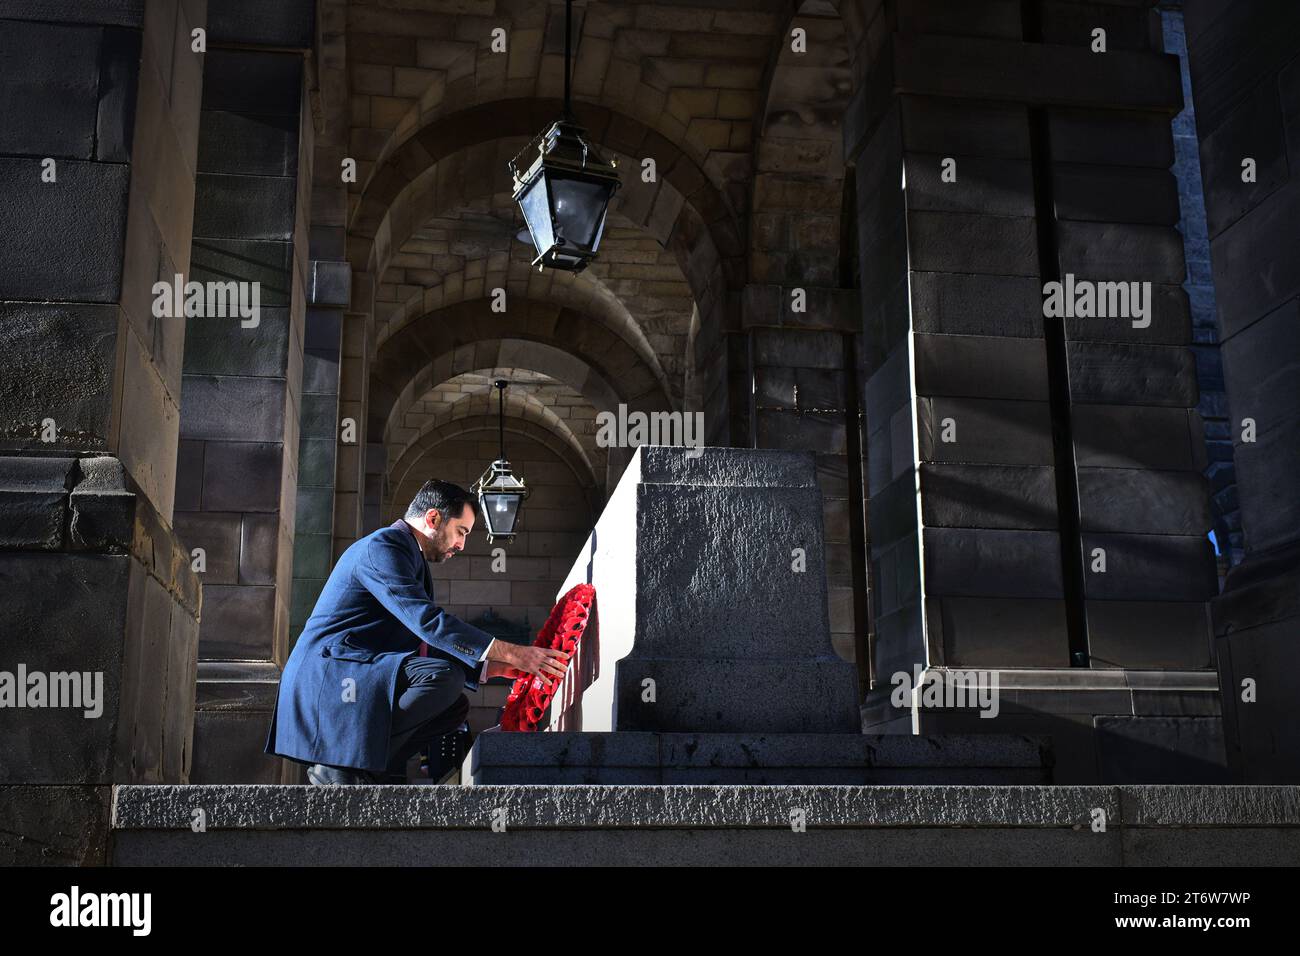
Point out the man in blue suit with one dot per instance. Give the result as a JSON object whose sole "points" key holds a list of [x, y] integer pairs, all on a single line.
{"points": [[357, 698]]}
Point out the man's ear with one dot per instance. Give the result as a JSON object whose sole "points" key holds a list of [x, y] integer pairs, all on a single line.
{"points": [[432, 517]]}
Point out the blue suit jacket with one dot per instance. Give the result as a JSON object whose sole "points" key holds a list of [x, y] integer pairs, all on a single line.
{"points": [[335, 704]]}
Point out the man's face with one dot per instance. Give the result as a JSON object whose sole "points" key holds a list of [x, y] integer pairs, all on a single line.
{"points": [[444, 538]]}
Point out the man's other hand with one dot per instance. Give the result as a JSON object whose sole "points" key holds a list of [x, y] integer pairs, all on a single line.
{"points": [[502, 669]]}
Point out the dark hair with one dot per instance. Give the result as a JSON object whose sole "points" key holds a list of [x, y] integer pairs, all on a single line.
{"points": [[448, 499]]}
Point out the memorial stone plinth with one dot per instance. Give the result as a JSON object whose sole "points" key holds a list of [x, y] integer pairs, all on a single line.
{"points": [[709, 658]]}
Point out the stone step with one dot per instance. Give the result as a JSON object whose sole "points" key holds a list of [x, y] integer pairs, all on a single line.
{"points": [[702, 825], [633, 757]]}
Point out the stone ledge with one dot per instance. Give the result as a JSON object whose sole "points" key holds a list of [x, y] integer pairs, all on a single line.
{"points": [[631, 757], [124, 13], [237, 686], [722, 467], [34, 501], [708, 826], [300, 808], [773, 846], [91, 504], [1227, 806], [756, 749], [1076, 690]]}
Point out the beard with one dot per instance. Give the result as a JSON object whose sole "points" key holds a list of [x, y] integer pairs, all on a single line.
{"points": [[437, 554], [436, 547]]}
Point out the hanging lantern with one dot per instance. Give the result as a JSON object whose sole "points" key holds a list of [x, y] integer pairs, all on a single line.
{"points": [[564, 190], [500, 493]]}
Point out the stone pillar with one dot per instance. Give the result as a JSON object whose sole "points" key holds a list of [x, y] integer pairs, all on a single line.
{"points": [[1245, 64], [240, 421], [1036, 502], [329, 294], [350, 468], [317, 442], [372, 497], [96, 187]]}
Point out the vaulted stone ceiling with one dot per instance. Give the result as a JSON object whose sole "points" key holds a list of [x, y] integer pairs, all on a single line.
{"points": [[558, 408], [747, 180]]}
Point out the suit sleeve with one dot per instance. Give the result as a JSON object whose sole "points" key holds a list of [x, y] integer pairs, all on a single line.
{"points": [[386, 571]]}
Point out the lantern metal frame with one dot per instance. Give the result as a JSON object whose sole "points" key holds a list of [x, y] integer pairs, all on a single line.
{"points": [[498, 479], [563, 155]]}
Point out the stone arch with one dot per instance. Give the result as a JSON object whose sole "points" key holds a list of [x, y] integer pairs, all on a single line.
{"points": [[518, 353], [480, 410], [458, 339], [477, 175], [487, 424], [637, 283], [683, 210], [452, 137], [524, 284]]}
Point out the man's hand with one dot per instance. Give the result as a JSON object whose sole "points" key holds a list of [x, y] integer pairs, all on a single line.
{"points": [[502, 669], [512, 660]]}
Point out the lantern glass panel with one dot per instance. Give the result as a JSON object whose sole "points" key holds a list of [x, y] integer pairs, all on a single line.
{"points": [[500, 512], [537, 213], [579, 207]]}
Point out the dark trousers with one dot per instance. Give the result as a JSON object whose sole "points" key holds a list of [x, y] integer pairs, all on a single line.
{"points": [[429, 702]]}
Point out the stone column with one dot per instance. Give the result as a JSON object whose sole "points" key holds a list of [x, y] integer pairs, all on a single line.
{"points": [[316, 456], [350, 467], [1245, 65], [240, 420], [1036, 506], [323, 344], [100, 103]]}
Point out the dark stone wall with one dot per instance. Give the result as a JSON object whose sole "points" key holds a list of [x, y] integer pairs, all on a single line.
{"points": [[94, 581], [239, 421], [1245, 68], [63, 241], [1007, 450]]}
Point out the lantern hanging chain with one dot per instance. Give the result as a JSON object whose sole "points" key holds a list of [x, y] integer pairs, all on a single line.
{"points": [[568, 35], [501, 418], [568, 70]]}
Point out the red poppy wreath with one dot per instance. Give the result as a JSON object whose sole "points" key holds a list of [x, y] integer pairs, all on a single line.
{"points": [[530, 697]]}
